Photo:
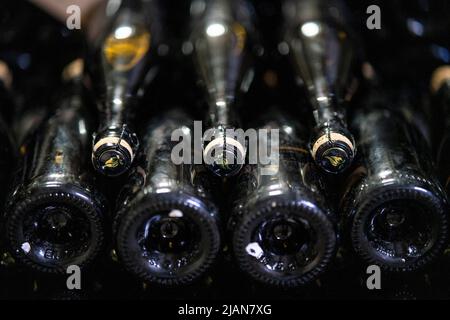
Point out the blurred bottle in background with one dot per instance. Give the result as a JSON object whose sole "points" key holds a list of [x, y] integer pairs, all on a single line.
{"points": [[118, 68], [221, 32], [322, 50]]}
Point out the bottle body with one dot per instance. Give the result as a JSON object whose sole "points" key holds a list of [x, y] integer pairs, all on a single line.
{"points": [[440, 89], [119, 65], [322, 53], [167, 228], [7, 150], [54, 215], [6, 141], [283, 231], [393, 206], [220, 39]]}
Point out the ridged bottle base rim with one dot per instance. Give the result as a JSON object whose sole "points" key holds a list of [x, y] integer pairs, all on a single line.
{"points": [[319, 222], [421, 197], [50, 254], [129, 250]]}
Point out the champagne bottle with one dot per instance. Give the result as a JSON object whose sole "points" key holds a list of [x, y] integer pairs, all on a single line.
{"points": [[283, 231], [440, 90], [394, 208], [220, 41], [166, 228], [8, 156], [7, 104], [54, 215], [119, 65], [6, 142], [322, 51]]}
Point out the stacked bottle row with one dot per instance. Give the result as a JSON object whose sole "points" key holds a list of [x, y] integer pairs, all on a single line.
{"points": [[285, 221]]}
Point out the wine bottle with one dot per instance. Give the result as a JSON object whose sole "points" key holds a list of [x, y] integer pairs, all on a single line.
{"points": [[322, 52], [6, 99], [118, 68], [440, 91], [394, 209], [54, 214], [166, 228], [8, 156], [6, 142], [283, 230], [220, 41]]}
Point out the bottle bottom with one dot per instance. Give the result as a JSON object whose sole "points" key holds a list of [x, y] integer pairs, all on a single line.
{"points": [[168, 241], [53, 229], [400, 229], [285, 244]]}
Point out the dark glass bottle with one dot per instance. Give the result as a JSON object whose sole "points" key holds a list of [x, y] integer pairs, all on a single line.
{"points": [[6, 161], [7, 104], [6, 142], [322, 51], [166, 228], [54, 215], [394, 209], [118, 68], [440, 90], [220, 39], [283, 230]]}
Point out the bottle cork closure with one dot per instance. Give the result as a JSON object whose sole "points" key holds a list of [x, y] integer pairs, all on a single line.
{"points": [[439, 77], [5, 75], [228, 158], [326, 138], [73, 70], [333, 152]]}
